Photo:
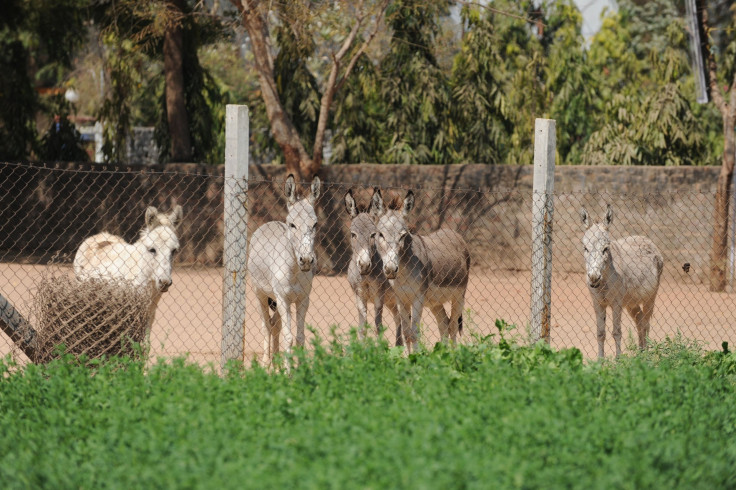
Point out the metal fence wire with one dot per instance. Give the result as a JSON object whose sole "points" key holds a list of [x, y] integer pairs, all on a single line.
{"points": [[46, 212]]}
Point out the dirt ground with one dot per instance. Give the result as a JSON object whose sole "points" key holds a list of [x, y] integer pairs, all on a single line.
{"points": [[189, 316]]}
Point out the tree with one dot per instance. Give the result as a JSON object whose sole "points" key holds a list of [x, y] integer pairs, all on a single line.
{"points": [[655, 124], [722, 85], [416, 92], [142, 43], [255, 14], [176, 104], [479, 101], [38, 39]]}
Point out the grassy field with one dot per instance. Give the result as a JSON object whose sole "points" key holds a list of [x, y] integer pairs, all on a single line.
{"points": [[362, 415]]}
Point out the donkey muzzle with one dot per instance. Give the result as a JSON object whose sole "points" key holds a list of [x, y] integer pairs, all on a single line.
{"points": [[594, 281], [164, 286], [390, 271], [305, 263], [364, 266]]}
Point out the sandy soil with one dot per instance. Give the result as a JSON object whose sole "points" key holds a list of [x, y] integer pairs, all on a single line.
{"points": [[189, 316]]}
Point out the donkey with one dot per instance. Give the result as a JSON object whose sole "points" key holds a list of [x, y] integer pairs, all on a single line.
{"points": [[280, 262], [621, 274], [143, 264], [365, 271], [423, 270]]}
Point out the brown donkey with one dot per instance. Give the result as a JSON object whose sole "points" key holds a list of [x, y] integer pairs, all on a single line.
{"points": [[423, 270]]}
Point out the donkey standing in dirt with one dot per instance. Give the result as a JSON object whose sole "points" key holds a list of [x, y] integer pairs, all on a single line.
{"points": [[423, 270], [280, 262], [621, 274], [365, 271], [143, 264]]}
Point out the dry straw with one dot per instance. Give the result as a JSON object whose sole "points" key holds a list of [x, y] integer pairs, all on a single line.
{"points": [[96, 318]]}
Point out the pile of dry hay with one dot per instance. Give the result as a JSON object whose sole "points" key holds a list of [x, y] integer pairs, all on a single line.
{"points": [[96, 318]]}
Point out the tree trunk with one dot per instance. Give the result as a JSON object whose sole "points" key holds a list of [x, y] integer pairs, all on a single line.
{"points": [[719, 250], [295, 155], [176, 107]]}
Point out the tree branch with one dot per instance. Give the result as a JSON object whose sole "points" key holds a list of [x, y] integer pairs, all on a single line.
{"points": [[715, 91], [332, 85], [296, 157]]}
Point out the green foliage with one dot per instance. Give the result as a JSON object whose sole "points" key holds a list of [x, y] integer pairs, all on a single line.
{"points": [[38, 39], [415, 91], [656, 127], [359, 117], [479, 105], [361, 414], [133, 39]]}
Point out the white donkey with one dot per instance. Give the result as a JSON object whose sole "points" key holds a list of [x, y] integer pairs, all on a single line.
{"points": [[423, 270], [365, 271], [280, 264], [621, 274], [143, 264]]}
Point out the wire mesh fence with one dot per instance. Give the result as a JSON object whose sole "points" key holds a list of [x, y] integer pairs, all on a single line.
{"points": [[47, 212]]}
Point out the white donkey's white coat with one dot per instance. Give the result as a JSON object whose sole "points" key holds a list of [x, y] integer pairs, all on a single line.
{"points": [[365, 271], [280, 263], [621, 274], [423, 270], [143, 264]]}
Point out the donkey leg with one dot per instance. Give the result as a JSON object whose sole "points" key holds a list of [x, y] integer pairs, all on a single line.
{"points": [[284, 310], [443, 323], [456, 316], [647, 312], [617, 310], [301, 315], [600, 320], [412, 336], [404, 324], [378, 312], [265, 329], [638, 316], [397, 321], [362, 304]]}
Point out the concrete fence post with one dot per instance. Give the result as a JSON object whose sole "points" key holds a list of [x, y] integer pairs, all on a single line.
{"points": [[236, 231], [542, 211]]}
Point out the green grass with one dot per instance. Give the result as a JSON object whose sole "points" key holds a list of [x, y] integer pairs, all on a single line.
{"points": [[488, 415]]}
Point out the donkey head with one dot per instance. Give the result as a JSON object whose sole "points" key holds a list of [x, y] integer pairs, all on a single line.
{"points": [[161, 244], [301, 221], [392, 233], [362, 231], [596, 247]]}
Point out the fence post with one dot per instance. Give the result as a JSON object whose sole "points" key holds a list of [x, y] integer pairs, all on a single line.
{"points": [[236, 230], [542, 211]]}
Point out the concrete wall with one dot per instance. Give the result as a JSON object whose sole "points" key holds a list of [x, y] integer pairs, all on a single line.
{"points": [[44, 210]]}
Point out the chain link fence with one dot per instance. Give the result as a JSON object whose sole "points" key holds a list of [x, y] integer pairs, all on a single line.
{"points": [[47, 211]]}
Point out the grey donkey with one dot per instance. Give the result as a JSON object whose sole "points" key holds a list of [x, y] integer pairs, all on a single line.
{"points": [[621, 274], [423, 270], [281, 262], [365, 271]]}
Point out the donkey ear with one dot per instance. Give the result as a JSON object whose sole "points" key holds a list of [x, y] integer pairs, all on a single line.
{"points": [[609, 214], [290, 189], [584, 217], [350, 204], [316, 185], [151, 217], [176, 215], [376, 209], [408, 203]]}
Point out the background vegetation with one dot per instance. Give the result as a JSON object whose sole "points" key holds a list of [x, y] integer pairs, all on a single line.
{"points": [[442, 81], [362, 415]]}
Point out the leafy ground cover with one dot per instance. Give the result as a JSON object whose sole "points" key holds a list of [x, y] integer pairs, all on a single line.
{"points": [[492, 414]]}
